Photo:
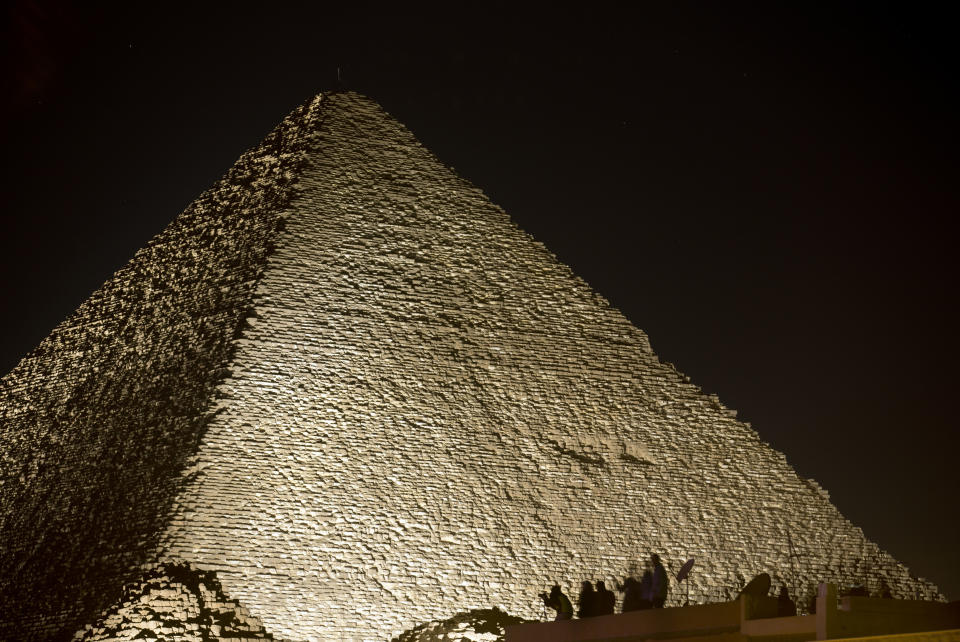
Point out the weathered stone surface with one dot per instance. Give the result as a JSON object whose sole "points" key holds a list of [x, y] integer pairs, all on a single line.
{"points": [[348, 384]]}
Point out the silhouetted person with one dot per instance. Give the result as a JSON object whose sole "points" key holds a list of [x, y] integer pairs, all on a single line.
{"points": [[646, 589], [631, 596], [885, 592], [785, 606], [588, 601], [661, 582], [605, 599], [558, 602]]}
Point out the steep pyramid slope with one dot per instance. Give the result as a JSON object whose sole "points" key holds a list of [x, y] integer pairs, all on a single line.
{"points": [[350, 386]]}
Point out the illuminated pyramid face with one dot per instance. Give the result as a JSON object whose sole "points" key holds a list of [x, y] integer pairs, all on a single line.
{"points": [[348, 386]]}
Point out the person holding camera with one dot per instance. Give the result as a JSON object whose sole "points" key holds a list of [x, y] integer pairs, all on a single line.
{"points": [[558, 602]]}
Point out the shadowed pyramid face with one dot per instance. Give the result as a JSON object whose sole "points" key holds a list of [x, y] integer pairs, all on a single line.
{"points": [[350, 386]]}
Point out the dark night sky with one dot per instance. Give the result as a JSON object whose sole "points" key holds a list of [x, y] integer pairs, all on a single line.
{"points": [[767, 191]]}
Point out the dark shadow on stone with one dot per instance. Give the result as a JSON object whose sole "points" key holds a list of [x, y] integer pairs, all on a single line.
{"points": [[461, 625]]}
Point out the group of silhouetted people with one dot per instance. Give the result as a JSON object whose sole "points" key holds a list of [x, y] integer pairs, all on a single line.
{"points": [[649, 593], [595, 602]]}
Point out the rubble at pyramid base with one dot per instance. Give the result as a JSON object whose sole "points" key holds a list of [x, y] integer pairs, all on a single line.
{"points": [[178, 603], [478, 625], [174, 602]]}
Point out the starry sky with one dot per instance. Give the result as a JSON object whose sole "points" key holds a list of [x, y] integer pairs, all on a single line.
{"points": [[767, 191]]}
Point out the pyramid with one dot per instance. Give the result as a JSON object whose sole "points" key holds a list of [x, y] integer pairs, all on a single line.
{"points": [[349, 388]]}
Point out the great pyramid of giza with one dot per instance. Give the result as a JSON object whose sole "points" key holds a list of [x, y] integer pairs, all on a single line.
{"points": [[349, 394]]}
